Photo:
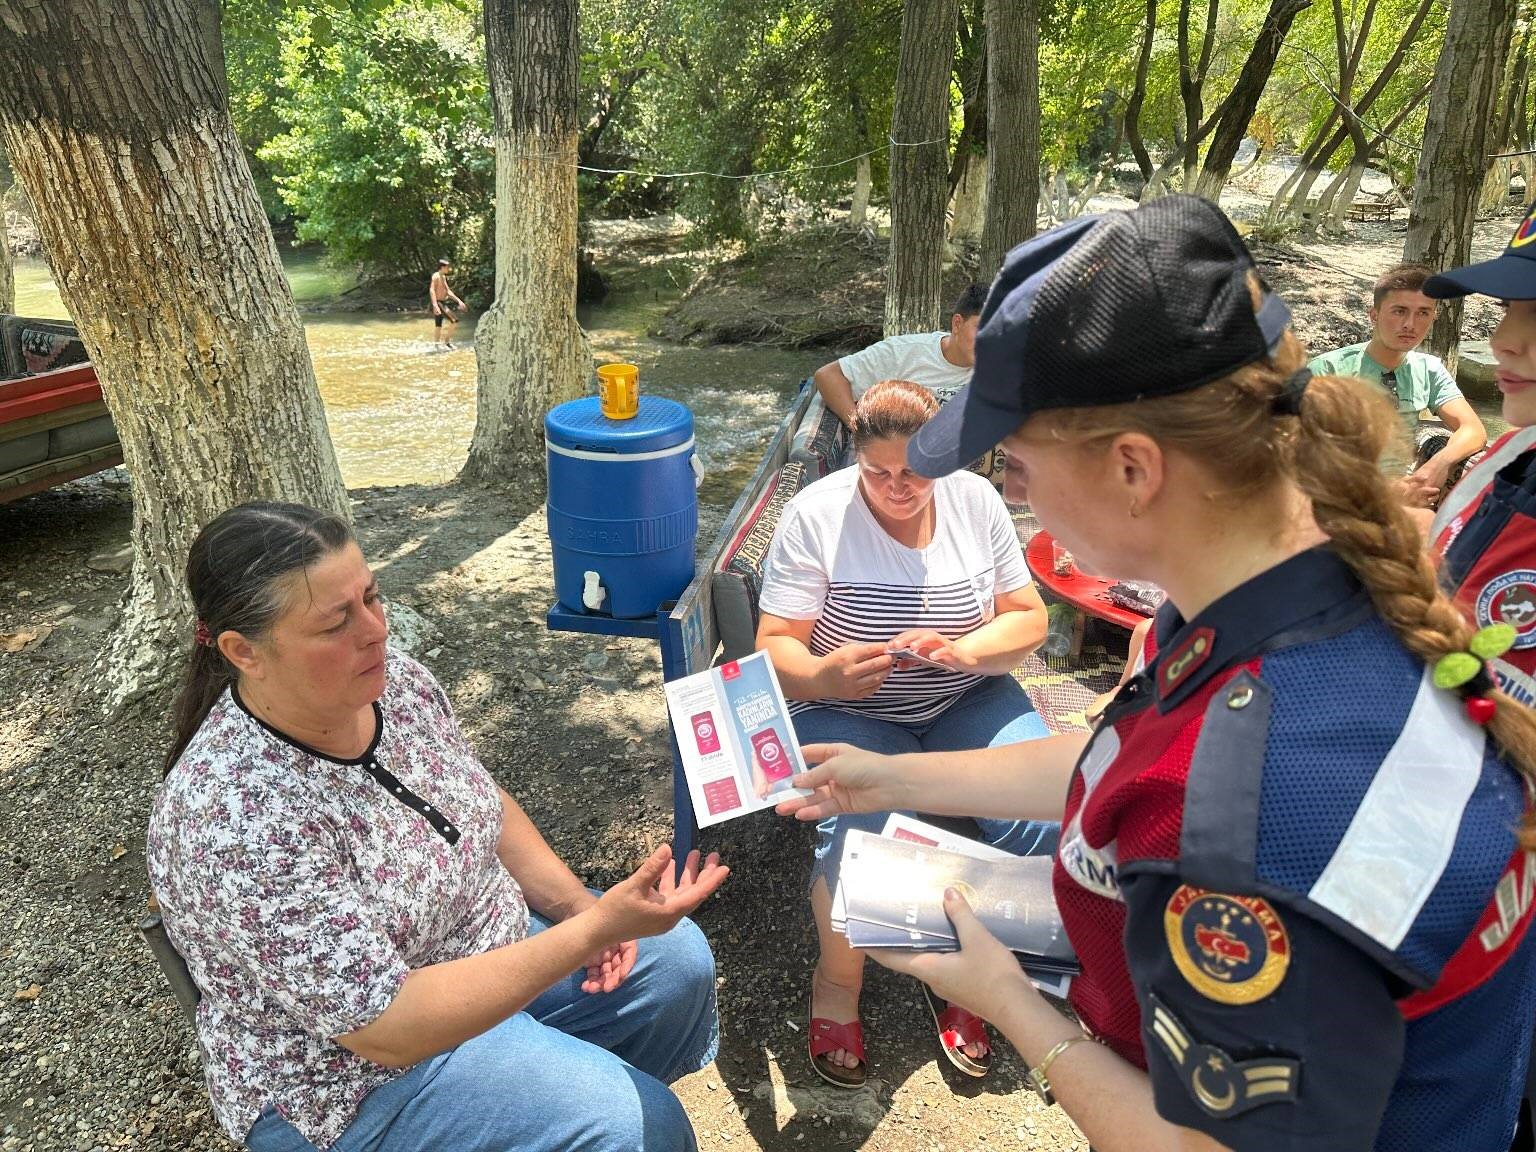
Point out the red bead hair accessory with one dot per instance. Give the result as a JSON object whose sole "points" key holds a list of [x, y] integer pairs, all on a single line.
{"points": [[1481, 709], [202, 636]]}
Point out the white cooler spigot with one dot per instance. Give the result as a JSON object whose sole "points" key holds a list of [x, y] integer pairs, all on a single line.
{"points": [[592, 591]]}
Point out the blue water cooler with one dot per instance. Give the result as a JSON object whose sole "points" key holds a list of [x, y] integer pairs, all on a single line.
{"points": [[623, 507]]}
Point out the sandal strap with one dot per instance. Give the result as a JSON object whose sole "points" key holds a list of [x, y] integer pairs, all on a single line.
{"points": [[830, 1036], [957, 1028]]}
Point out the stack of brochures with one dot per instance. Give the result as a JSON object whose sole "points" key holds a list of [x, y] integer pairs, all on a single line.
{"points": [[890, 894]]}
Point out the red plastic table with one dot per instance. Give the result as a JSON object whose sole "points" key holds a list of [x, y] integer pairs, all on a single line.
{"points": [[1088, 594]]}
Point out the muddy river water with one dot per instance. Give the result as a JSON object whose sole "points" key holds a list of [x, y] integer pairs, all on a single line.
{"points": [[402, 412]]}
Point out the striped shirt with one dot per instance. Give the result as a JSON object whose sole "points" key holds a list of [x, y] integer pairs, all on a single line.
{"points": [[832, 562]]}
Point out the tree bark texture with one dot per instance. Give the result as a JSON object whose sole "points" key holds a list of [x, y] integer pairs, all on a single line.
{"points": [[1236, 111], [1455, 156], [1138, 95], [863, 183], [968, 209], [1013, 124], [530, 350], [7, 263], [115, 117], [919, 167]]}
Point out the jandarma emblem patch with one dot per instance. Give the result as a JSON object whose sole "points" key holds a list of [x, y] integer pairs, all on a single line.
{"points": [[1231, 949]]}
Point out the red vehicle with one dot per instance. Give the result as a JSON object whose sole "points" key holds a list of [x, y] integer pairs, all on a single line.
{"points": [[54, 425]]}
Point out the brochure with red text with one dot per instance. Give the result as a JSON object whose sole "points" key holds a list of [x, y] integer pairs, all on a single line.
{"points": [[738, 746]]}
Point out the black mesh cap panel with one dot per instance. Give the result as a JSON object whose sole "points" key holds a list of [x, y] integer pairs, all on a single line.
{"points": [[1149, 303]]}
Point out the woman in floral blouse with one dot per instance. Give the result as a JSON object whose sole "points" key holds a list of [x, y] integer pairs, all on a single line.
{"points": [[390, 956]]}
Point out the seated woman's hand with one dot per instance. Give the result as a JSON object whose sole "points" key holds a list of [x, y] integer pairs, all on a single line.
{"points": [[845, 779], [651, 902], [930, 644], [854, 671]]}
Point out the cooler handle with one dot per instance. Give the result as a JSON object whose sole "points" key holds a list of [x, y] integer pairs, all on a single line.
{"points": [[698, 470]]}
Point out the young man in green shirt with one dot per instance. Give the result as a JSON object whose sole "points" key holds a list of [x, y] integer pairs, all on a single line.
{"points": [[1400, 320]]}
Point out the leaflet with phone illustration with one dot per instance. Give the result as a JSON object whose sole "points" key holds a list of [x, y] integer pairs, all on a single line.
{"points": [[738, 745], [892, 896]]}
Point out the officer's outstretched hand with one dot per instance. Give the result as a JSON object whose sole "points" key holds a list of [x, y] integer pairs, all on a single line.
{"points": [[846, 779], [981, 977]]}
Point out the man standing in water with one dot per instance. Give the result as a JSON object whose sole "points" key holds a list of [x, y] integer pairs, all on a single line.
{"points": [[439, 293]]}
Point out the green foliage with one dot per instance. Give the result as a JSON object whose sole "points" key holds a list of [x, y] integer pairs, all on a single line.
{"points": [[384, 153]]}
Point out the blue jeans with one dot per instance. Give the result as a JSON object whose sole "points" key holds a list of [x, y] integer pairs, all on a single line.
{"points": [[571, 1070], [992, 713]]}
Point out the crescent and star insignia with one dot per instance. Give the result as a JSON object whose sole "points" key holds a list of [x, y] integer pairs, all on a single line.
{"points": [[1221, 1086]]}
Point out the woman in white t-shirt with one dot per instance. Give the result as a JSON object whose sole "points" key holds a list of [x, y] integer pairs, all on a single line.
{"points": [[872, 560]]}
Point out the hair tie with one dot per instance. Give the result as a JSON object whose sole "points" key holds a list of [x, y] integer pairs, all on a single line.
{"points": [[201, 635], [1287, 401], [1468, 672]]}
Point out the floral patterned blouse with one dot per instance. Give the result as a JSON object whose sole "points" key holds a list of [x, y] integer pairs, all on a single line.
{"points": [[302, 889]]}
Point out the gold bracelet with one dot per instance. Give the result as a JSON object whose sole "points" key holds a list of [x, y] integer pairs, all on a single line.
{"points": [[1037, 1074]]}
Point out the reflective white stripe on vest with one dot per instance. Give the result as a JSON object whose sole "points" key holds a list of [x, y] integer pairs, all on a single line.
{"points": [[621, 457], [1404, 831], [1470, 486]]}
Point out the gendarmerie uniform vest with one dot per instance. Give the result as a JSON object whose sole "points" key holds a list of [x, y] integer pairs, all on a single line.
{"points": [[1485, 533], [1290, 869]]}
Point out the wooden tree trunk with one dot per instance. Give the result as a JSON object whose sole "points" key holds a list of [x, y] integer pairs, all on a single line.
{"points": [[530, 350], [116, 120], [863, 181], [1013, 126], [970, 202], [1138, 97], [919, 167], [1455, 156], [7, 265], [1237, 110]]}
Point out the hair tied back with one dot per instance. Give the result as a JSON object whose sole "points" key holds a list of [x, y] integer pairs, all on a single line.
{"points": [[1287, 401]]}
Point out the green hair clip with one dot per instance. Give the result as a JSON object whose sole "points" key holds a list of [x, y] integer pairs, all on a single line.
{"points": [[1467, 672]]}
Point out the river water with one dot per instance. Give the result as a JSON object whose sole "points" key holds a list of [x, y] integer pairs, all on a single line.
{"points": [[402, 412]]}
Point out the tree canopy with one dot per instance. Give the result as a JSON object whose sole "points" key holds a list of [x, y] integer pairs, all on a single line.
{"points": [[367, 122]]}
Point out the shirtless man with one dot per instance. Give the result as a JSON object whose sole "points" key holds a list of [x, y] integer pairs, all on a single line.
{"points": [[440, 294]]}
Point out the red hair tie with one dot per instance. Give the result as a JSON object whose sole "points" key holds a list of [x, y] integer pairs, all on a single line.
{"points": [[202, 636]]}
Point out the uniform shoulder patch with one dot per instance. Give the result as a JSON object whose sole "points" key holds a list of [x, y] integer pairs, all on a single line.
{"points": [[1231, 949], [1221, 1086], [1177, 664]]}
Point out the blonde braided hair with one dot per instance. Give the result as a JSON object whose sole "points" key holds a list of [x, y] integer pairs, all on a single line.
{"points": [[1331, 451]]}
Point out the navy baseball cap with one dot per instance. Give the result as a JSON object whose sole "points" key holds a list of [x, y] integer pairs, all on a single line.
{"points": [[1102, 310], [1509, 276]]}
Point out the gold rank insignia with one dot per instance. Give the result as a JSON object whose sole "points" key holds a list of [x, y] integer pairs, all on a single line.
{"points": [[1231, 949], [1221, 1086]]}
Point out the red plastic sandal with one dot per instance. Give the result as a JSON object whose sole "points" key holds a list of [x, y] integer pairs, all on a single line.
{"points": [[957, 1028], [828, 1036]]}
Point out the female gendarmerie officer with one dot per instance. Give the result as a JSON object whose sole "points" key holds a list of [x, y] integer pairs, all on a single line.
{"points": [[1485, 531], [1293, 866]]}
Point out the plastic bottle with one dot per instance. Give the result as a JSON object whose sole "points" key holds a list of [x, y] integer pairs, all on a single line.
{"points": [[1058, 634]]}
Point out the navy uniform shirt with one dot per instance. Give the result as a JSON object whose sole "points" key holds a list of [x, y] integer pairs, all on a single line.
{"points": [[1290, 869]]}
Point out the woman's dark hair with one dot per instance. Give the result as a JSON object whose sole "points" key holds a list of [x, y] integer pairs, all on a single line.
{"points": [[238, 573]]}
